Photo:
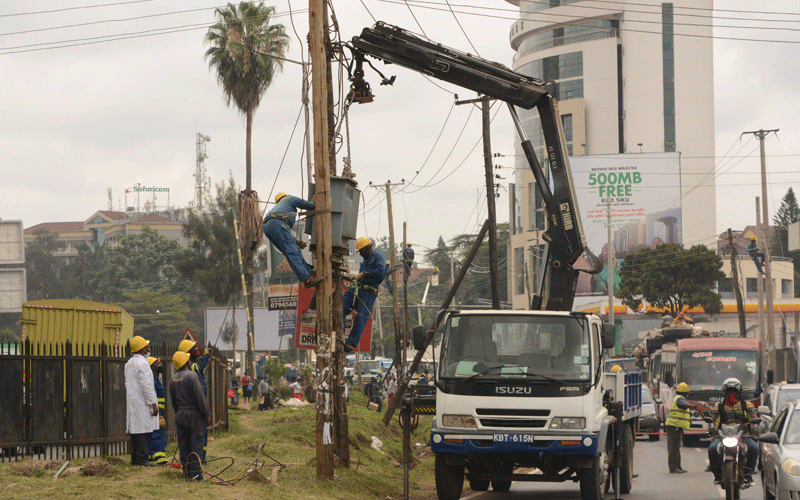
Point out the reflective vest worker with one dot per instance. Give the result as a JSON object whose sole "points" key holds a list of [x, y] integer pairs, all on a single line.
{"points": [[678, 420]]}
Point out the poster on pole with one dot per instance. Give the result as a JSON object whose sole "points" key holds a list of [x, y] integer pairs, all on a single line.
{"points": [[306, 333], [642, 193]]}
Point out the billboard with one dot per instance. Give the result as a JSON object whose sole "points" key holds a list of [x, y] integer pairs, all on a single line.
{"points": [[13, 290], [642, 193], [12, 243], [266, 328]]}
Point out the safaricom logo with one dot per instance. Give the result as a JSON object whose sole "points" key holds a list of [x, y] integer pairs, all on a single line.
{"points": [[149, 189]]}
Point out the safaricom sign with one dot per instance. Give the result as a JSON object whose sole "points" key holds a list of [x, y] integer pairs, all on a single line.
{"points": [[149, 189]]}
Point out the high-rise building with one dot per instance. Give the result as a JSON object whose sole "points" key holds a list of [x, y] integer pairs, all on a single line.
{"points": [[632, 77]]}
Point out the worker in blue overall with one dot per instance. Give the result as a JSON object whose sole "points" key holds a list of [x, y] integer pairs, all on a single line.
{"points": [[756, 254], [363, 290], [278, 226], [158, 442], [198, 365]]}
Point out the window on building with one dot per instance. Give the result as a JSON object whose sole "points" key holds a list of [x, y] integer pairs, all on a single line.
{"points": [[725, 285], [787, 289], [752, 285]]}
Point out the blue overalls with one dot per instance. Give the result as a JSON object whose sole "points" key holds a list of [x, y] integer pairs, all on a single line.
{"points": [[158, 442], [277, 227], [361, 295]]}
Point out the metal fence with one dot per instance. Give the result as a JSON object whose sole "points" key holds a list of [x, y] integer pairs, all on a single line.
{"points": [[64, 401]]}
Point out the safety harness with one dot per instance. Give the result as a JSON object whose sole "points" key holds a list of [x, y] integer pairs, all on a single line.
{"points": [[371, 289], [284, 217]]}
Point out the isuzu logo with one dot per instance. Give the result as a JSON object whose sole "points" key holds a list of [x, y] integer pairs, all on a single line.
{"points": [[512, 390]]}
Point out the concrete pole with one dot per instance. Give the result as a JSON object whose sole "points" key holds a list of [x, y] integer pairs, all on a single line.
{"points": [[762, 333], [736, 289]]}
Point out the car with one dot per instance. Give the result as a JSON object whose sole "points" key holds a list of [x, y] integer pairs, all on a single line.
{"points": [[774, 398], [780, 454], [649, 420]]}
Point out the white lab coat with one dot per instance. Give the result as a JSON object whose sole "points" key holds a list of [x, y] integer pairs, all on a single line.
{"points": [[141, 396]]}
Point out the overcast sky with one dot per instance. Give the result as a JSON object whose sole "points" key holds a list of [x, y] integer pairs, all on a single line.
{"points": [[78, 120]]}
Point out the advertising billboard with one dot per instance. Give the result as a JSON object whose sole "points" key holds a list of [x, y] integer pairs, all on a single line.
{"points": [[266, 328], [642, 194]]}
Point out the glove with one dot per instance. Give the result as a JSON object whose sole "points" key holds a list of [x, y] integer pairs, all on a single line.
{"points": [[301, 244], [207, 351], [162, 424]]}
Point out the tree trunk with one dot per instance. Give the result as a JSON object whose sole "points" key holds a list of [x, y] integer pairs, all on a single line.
{"points": [[248, 153]]}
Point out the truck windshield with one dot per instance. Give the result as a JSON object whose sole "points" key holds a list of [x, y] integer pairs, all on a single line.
{"points": [[707, 370], [515, 347]]}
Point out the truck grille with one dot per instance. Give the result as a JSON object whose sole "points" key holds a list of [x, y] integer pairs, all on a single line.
{"points": [[507, 423], [516, 412]]}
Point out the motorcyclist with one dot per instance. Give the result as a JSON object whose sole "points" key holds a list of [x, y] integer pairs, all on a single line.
{"points": [[733, 409]]}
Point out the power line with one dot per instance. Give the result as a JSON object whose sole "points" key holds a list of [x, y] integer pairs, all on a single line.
{"points": [[73, 8]]}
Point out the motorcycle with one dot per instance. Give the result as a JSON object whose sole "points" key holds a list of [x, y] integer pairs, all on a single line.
{"points": [[733, 453]]}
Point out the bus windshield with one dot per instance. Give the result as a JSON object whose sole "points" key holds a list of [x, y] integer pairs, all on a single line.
{"points": [[707, 370], [510, 346]]}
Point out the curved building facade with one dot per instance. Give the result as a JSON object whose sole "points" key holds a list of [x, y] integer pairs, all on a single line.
{"points": [[632, 77]]}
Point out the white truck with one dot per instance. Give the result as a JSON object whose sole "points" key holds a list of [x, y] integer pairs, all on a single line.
{"points": [[526, 389]]}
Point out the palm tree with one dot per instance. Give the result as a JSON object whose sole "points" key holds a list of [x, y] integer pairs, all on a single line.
{"points": [[244, 51], [243, 44]]}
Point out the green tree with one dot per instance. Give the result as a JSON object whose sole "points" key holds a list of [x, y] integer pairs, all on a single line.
{"points": [[211, 259], [144, 260], [243, 44], [158, 315], [42, 268], [788, 213], [672, 277], [82, 271]]}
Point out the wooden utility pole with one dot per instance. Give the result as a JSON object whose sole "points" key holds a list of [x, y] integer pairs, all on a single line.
{"points": [[494, 272], [325, 342], [737, 291]]}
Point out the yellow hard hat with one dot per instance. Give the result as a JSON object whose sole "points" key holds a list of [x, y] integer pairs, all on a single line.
{"points": [[753, 238], [179, 359], [186, 345], [616, 369], [683, 387], [151, 360], [279, 196], [138, 343], [362, 242]]}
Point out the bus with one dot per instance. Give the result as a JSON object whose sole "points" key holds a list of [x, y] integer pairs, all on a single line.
{"points": [[704, 363]]}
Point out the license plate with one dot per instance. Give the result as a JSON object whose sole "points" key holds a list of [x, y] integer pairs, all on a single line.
{"points": [[512, 438]]}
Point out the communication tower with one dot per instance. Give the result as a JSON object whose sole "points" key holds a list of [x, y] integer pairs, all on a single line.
{"points": [[201, 181]]}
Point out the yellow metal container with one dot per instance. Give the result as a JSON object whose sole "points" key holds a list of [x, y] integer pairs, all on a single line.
{"points": [[78, 321]]}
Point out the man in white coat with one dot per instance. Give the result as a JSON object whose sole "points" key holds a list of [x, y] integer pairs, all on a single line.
{"points": [[142, 414]]}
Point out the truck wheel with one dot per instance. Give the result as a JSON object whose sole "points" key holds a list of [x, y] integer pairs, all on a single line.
{"points": [[592, 479], [626, 459], [477, 484], [449, 479], [503, 486]]}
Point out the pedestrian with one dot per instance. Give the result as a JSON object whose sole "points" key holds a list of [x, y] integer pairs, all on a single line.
{"points": [[297, 390], [423, 379], [192, 416], [158, 441], [756, 254], [360, 297], [391, 389], [266, 399], [247, 388], [278, 226], [235, 386], [142, 404], [677, 421], [375, 395], [199, 360], [682, 320]]}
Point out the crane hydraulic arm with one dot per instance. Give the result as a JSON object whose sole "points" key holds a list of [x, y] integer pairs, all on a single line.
{"points": [[564, 235]]}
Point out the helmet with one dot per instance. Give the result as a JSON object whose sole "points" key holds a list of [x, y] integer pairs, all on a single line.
{"points": [[138, 343], [753, 238], [179, 359], [615, 369], [683, 387], [186, 345], [362, 242], [279, 196], [732, 384], [151, 360], [388, 262]]}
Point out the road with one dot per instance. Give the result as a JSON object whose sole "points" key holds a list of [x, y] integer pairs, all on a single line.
{"points": [[654, 482]]}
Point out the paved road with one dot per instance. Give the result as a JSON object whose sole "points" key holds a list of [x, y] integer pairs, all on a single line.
{"points": [[654, 482]]}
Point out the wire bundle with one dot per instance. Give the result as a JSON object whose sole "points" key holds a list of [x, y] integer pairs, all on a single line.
{"points": [[250, 223]]}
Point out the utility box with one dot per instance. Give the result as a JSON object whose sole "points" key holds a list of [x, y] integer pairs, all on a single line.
{"points": [[345, 197]]}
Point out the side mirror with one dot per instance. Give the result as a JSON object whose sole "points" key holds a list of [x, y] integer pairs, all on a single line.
{"points": [[609, 335], [418, 337], [768, 437]]}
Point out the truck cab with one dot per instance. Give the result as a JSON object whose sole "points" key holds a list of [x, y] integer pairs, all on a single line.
{"points": [[527, 389]]}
